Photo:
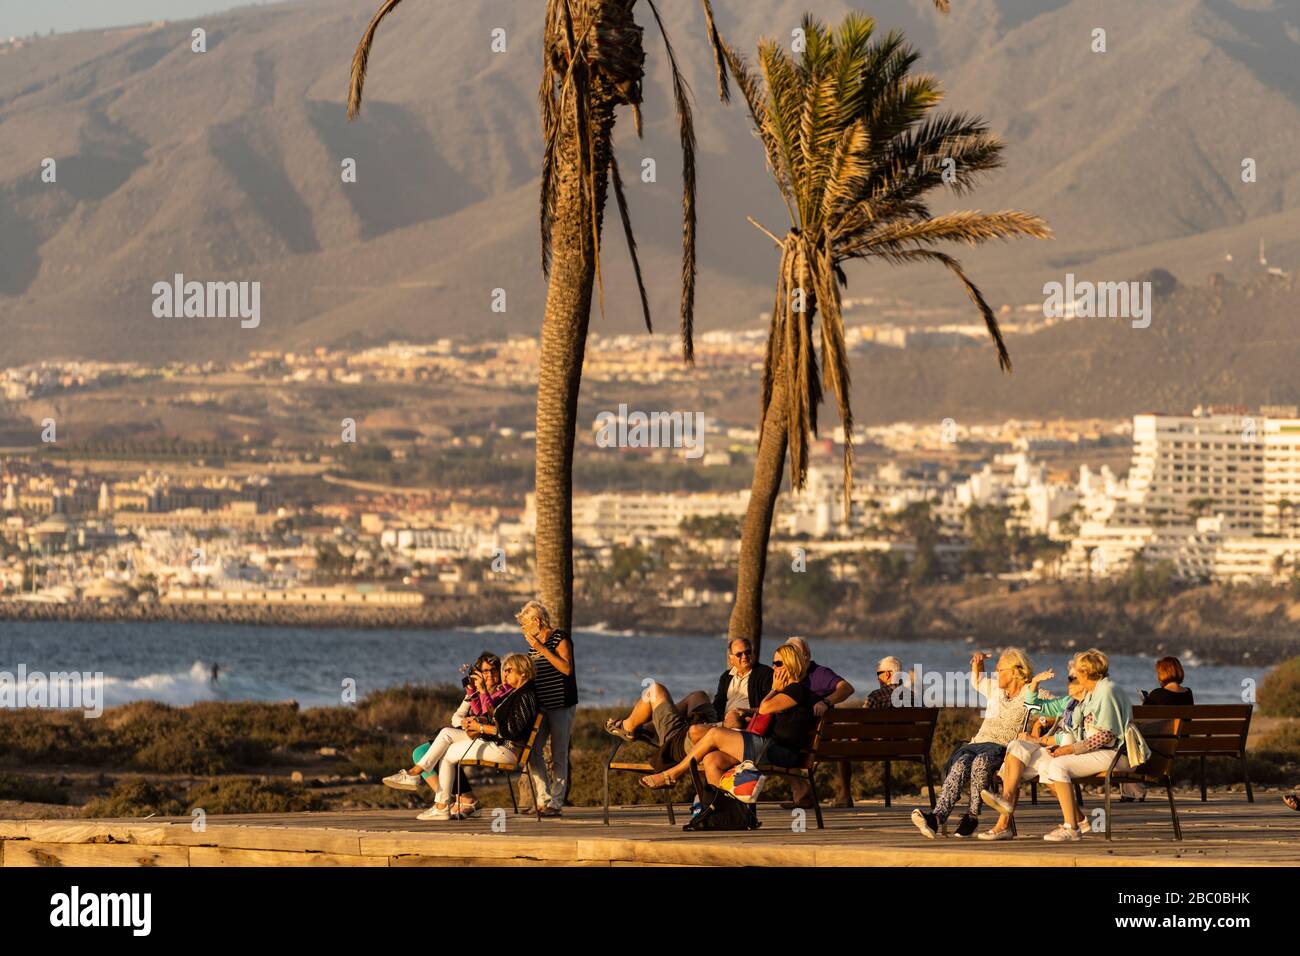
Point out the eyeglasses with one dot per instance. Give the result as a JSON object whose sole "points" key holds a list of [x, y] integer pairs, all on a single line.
{"points": [[883, 673], [742, 653]]}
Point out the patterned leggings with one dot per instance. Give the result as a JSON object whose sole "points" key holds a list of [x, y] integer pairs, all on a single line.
{"points": [[978, 771]]}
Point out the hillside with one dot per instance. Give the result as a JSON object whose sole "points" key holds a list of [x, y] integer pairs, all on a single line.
{"points": [[226, 165]]}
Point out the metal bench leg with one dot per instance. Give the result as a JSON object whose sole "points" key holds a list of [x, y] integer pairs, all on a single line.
{"points": [[532, 794], [817, 803], [1245, 775], [511, 784], [1033, 791], [1108, 820], [888, 784], [668, 802], [1202, 780], [606, 795], [1173, 808], [929, 782]]}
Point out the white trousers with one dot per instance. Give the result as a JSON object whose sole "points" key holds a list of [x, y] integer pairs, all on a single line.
{"points": [[471, 749], [1041, 765]]}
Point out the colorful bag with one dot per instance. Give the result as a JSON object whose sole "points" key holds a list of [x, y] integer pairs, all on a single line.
{"points": [[743, 782]]}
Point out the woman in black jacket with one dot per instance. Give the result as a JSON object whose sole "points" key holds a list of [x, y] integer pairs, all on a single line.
{"points": [[501, 740]]}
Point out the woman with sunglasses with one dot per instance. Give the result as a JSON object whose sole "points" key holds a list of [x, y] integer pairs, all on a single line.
{"points": [[484, 689], [790, 706], [500, 739]]}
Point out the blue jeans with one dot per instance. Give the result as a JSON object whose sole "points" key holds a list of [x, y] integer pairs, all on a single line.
{"points": [[558, 728]]}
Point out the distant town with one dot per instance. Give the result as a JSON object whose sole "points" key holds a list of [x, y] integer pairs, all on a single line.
{"points": [[1210, 495]]}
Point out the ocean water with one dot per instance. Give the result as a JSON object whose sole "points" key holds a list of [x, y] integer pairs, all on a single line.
{"points": [[172, 662]]}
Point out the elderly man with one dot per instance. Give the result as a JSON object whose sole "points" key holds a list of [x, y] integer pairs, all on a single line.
{"points": [[742, 686], [556, 684], [828, 689], [889, 672]]}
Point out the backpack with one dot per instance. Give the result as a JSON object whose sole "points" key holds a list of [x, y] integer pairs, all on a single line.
{"points": [[722, 811]]}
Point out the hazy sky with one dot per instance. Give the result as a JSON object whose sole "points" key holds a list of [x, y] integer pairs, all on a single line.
{"points": [[21, 17]]}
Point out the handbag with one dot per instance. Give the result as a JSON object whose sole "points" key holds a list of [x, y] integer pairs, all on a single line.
{"points": [[1136, 747], [760, 724], [743, 782]]}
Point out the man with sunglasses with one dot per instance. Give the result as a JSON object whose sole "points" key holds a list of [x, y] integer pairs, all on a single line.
{"points": [[742, 686]]}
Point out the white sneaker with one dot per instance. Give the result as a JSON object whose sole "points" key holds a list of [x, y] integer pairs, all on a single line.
{"points": [[1084, 825], [995, 801], [918, 818], [1063, 834], [992, 834], [402, 781], [433, 813]]}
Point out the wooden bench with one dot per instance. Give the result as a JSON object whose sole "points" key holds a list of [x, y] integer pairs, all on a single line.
{"points": [[639, 768], [1164, 737], [848, 735], [505, 768], [1209, 730]]}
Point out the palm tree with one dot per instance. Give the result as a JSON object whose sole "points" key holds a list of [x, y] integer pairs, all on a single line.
{"points": [[853, 148], [592, 63]]}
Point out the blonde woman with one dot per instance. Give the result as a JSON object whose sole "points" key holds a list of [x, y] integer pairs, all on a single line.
{"points": [[501, 738], [1102, 718], [973, 765], [788, 708]]}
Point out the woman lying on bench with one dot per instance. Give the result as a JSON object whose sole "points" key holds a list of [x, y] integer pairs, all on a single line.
{"points": [[776, 734]]}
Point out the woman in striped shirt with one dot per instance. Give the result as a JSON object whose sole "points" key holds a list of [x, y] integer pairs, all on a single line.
{"points": [[556, 684]]}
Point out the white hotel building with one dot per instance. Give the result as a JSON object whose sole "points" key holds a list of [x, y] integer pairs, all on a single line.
{"points": [[1215, 493]]}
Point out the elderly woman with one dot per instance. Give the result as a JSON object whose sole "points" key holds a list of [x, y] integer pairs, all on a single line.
{"points": [[790, 705], [974, 763], [556, 681], [1028, 753], [1103, 717], [500, 739]]}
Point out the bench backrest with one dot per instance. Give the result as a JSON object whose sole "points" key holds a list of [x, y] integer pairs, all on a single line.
{"points": [[1164, 737], [856, 733], [532, 740], [1209, 730]]}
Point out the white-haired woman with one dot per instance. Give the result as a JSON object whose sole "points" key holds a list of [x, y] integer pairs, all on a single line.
{"points": [[555, 679], [1102, 717], [973, 764]]}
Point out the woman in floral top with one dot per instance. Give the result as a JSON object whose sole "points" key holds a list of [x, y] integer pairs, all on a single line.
{"points": [[974, 763], [1102, 718]]}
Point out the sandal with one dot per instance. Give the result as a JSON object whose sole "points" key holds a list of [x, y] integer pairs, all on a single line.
{"points": [[463, 810], [1292, 801], [658, 781], [615, 727]]}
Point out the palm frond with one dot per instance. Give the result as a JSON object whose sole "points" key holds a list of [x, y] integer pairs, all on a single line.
{"points": [[361, 58], [686, 129], [904, 256], [968, 226], [719, 55], [631, 239]]}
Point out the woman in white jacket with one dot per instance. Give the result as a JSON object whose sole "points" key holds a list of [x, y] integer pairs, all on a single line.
{"points": [[484, 689]]}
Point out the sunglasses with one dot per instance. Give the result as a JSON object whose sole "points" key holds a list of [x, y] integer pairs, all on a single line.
{"points": [[742, 654], [778, 663], [883, 673]]}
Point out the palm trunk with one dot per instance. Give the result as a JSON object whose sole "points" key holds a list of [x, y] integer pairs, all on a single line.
{"points": [[564, 343], [769, 470]]}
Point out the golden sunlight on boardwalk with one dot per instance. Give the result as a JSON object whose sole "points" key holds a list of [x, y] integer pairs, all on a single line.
{"points": [[1226, 831]]}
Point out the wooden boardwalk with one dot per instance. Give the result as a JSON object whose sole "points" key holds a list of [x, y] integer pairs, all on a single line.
{"points": [[1224, 831]]}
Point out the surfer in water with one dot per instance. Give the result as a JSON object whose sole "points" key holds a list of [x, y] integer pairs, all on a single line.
{"points": [[216, 673]]}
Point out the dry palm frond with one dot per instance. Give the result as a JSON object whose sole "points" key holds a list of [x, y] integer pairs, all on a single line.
{"points": [[631, 238], [361, 59]]}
